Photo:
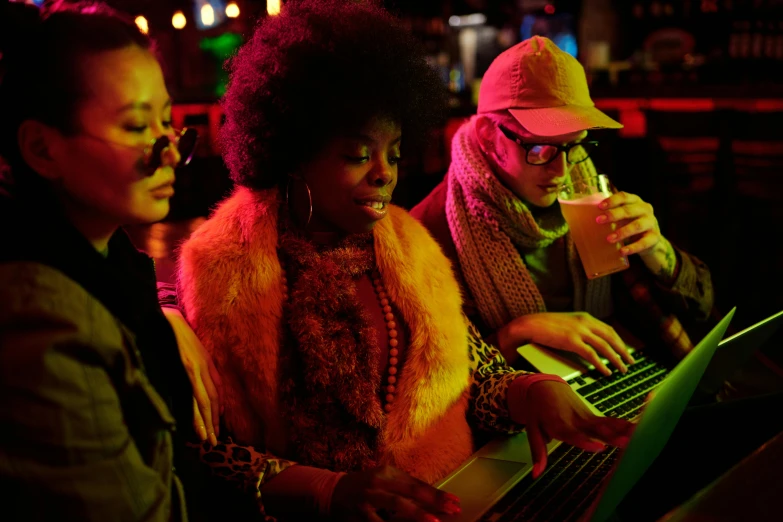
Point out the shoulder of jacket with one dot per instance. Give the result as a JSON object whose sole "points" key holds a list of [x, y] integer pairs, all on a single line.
{"points": [[34, 291]]}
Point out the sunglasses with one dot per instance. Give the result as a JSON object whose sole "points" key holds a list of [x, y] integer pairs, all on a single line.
{"points": [[184, 140]]}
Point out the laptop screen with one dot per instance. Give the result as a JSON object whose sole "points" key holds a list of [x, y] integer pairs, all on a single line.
{"points": [[658, 421]]}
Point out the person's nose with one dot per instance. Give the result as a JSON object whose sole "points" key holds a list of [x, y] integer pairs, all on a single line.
{"points": [[383, 174], [559, 166], [169, 155]]}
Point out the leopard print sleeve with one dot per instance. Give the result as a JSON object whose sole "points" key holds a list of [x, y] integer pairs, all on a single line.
{"points": [[246, 467], [167, 295], [491, 377]]}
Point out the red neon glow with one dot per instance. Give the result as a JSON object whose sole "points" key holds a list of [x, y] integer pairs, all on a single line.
{"points": [[549, 9]]}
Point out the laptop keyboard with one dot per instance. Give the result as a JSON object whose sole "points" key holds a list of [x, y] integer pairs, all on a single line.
{"points": [[573, 476], [571, 479], [619, 394]]}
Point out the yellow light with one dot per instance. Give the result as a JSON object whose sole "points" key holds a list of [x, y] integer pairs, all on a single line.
{"points": [[273, 7], [207, 15], [232, 10], [178, 20], [142, 24]]}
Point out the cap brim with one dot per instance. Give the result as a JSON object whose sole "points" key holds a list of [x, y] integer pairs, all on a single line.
{"points": [[566, 119]]}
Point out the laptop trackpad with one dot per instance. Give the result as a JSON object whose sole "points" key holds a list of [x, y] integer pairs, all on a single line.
{"points": [[482, 478]]}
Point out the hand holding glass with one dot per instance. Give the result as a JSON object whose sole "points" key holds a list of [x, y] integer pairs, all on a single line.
{"points": [[579, 203]]}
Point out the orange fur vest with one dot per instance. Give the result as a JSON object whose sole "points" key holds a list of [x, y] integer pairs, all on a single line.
{"points": [[231, 290]]}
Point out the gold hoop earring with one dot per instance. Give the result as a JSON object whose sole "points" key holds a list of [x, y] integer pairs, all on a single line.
{"points": [[309, 197]]}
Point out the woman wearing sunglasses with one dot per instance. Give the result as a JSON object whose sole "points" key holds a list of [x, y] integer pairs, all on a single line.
{"points": [[91, 381]]}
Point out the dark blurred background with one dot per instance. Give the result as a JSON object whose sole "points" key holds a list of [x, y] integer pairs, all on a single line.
{"points": [[698, 85]]}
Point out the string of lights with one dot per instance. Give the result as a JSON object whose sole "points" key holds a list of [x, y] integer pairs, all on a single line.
{"points": [[207, 14]]}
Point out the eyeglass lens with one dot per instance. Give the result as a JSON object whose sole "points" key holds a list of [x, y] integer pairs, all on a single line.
{"points": [[542, 154], [186, 146]]}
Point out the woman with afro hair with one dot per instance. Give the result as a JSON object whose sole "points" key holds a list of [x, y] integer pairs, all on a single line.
{"points": [[351, 379]]}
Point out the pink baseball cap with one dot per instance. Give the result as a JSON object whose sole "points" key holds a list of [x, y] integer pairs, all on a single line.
{"points": [[544, 88]]}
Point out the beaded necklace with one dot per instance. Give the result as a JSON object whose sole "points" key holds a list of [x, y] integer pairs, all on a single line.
{"points": [[392, 370], [391, 328]]}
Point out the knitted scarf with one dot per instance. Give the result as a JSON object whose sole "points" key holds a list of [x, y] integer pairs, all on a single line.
{"points": [[488, 223], [330, 381]]}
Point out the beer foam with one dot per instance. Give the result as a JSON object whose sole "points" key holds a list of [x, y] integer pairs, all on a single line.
{"points": [[592, 199]]}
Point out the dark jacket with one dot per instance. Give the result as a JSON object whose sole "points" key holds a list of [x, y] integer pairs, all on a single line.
{"points": [[89, 376]]}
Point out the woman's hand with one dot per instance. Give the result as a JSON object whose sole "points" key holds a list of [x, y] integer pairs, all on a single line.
{"points": [[203, 375], [638, 228], [386, 493], [635, 219], [577, 332], [553, 411]]}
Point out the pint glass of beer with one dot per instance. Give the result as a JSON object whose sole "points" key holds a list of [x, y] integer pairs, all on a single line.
{"points": [[579, 203]]}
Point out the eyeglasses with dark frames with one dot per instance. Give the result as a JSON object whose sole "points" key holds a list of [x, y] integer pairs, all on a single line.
{"points": [[184, 139], [539, 154]]}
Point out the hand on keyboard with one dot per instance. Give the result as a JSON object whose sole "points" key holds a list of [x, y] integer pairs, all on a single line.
{"points": [[554, 411], [577, 332]]}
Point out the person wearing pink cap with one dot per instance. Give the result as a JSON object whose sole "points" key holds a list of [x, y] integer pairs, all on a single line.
{"points": [[496, 217]]}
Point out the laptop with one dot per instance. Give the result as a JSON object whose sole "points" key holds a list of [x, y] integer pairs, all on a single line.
{"points": [[733, 352], [647, 373], [495, 484]]}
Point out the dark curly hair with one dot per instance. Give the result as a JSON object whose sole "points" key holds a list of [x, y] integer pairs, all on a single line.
{"points": [[319, 69]]}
